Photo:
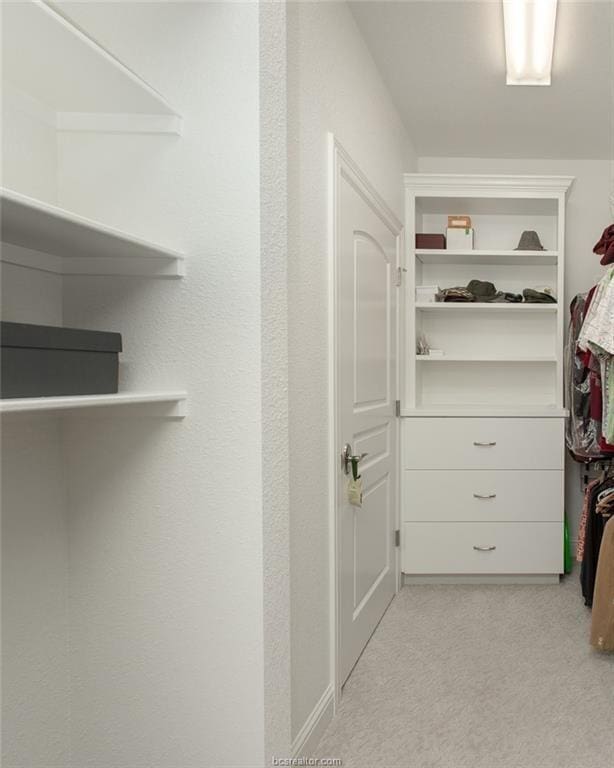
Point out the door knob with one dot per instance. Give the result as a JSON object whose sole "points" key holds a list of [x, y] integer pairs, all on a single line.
{"points": [[347, 458]]}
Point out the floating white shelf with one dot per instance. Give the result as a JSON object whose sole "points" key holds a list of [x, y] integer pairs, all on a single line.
{"points": [[485, 359], [46, 404], [489, 257], [69, 244], [469, 306], [74, 77], [468, 411]]}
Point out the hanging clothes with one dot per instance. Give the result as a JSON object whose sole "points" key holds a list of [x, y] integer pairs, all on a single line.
{"points": [[582, 431], [589, 374], [597, 332], [583, 520], [602, 627], [597, 337], [601, 495]]}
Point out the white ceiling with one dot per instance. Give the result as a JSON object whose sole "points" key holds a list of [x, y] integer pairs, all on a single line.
{"points": [[444, 64]]}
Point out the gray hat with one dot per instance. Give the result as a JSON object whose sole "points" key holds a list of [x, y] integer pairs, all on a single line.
{"points": [[529, 241], [482, 290]]}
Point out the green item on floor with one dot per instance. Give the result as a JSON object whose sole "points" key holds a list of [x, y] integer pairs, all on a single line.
{"points": [[568, 564]]}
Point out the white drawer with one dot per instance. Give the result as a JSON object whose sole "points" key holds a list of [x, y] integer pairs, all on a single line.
{"points": [[483, 443], [483, 495], [482, 548]]}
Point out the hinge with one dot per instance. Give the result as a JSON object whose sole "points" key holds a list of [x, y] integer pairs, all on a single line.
{"points": [[399, 280], [397, 408], [397, 538]]}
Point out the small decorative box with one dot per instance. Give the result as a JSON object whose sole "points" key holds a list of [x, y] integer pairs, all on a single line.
{"points": [[459, 222], [430, 241], [460, 239]]}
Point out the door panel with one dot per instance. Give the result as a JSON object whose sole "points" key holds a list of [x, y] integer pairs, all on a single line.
{"points": [[372, 308], [372, 542], [366, 260]]}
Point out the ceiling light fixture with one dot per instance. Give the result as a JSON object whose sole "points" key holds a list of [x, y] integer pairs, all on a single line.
{"points": [[529, 40]]}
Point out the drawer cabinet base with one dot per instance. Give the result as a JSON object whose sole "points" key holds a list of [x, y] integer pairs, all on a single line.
{"points": [[409, 580], [482, 548]]}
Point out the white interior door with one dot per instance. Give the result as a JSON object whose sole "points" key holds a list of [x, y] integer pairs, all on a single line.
{"points": [[367, 253]]}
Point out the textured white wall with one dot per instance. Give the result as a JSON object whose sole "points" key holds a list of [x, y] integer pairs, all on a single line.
{"points": [[163, 525], [35, 644], [587, 215], [333, 85], [35, 656], [166, 519], [29, 146], [275, 443]]}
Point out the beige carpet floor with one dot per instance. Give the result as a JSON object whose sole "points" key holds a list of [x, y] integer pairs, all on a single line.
{"points": [[479, 677]]}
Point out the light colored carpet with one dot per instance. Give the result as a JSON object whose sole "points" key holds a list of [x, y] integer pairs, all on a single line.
{"points": [[479, 677]]}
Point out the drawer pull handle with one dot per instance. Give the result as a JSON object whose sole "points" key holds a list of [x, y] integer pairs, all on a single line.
{"points": [[484, 495], [484, 549], [484, 445]]}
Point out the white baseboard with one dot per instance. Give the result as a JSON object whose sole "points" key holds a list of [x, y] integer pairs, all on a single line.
{"points": [[477, 579], [310, 734]]}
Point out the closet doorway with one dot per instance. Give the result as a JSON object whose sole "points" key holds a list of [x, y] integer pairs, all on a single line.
{"points": [[365, 261]]}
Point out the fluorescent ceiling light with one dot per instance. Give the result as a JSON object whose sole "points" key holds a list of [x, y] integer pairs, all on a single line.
{"points": [[529, 40]]}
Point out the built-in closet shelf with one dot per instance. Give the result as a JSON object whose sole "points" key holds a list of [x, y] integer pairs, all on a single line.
{"points": [[69, 244], [484, 359], [75, 81], [517, 258], [175, 400], [471, 306], [487, 411]]}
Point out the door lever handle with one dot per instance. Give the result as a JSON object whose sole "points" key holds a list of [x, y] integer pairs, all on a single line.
{"points": [[347, 458]]}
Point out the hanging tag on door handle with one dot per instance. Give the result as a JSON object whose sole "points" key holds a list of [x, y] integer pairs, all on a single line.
{"points": [[355, 491], [355, 484]]}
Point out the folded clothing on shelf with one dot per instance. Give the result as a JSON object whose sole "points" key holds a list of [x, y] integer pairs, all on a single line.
{"points": [[480, 291], [457, 293], [539, 295], [483, 291]]}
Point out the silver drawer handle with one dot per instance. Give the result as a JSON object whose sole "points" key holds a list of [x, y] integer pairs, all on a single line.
{"points": [[485, 496], [486, 445], [484, 549]]}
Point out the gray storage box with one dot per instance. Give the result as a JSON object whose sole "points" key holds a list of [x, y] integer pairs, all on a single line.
{"points": [[45, 361]]}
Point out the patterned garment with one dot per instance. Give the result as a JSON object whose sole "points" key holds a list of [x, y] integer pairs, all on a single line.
{"points": [[583, 519], [608, 397], [597, 331], [583, 388], [596, 338]]}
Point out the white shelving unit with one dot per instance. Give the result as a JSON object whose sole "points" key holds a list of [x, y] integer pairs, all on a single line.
{"points": [[529, 335], [483, 359], [77, 403], [492, 257], [65, 80], [68, 244], [75, 81], [487, 411], [490, 410], [59, 80], [458, 306]]}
